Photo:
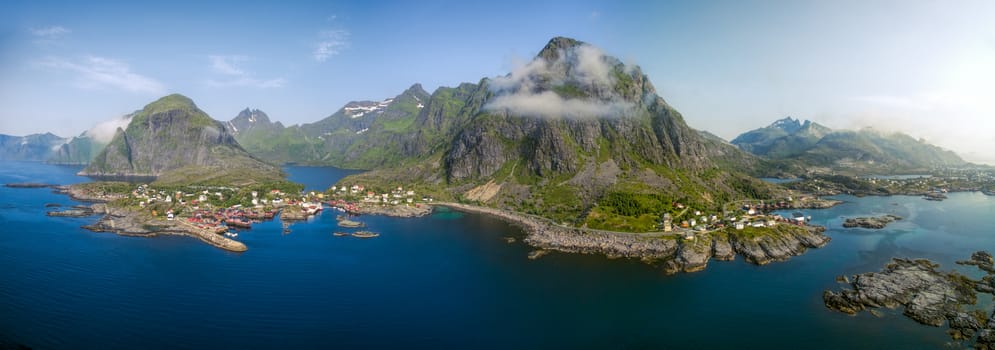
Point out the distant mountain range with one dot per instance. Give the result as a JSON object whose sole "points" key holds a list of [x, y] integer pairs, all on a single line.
{"points": [[34, 147], [808, 144]]}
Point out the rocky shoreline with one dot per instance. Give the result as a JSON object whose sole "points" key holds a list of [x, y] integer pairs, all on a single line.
{"points": [[672, 251], [929, 297], [400, 210], [81, 194], [76, 211], [875, 223], [127, 222]]}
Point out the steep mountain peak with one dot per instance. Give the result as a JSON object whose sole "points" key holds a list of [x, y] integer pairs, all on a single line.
{"points": [[551, 52], [252, 116], [170, 102], [416, 90], [572, 79], [788, 124], [250, 119]]}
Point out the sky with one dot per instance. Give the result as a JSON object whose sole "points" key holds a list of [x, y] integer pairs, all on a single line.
{"points": [[926, 68]]}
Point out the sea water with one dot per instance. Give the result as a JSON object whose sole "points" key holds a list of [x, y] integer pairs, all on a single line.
{"points": [[448, 280]]}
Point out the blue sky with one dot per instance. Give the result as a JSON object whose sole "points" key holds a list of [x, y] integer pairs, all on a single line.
{"points": [[926, 68]]}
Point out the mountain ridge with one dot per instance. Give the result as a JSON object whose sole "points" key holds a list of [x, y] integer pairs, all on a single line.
{"points": [[32, 147], [862, 151]]}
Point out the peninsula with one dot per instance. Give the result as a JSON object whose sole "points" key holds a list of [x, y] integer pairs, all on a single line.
{"points": [[675, 250], [204, 184]]}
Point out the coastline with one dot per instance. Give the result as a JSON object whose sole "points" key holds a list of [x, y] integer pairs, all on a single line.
{"points": [[671, 250], [125, 222], [398, 211]]}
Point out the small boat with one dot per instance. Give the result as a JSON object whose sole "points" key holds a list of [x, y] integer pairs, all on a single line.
{"points": [[365, 234], [340, 234]]}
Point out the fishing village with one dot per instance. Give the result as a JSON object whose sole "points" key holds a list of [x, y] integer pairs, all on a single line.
{"points": [[216, 214]]}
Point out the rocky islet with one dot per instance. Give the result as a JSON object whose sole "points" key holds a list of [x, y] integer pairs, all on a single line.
{"points": [[929, 296]]}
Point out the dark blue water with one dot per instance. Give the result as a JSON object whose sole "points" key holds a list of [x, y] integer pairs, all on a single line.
{"points": [[316, 178], [444, 281], [775, 180]]}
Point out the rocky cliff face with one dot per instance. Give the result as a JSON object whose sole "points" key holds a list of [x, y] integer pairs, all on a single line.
{"points": [[34, 147], [169, 134]]}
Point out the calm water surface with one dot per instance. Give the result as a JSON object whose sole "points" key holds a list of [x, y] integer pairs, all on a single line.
{"points": [[443, 281]]}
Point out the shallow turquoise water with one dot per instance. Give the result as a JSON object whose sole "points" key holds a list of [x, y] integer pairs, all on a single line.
{"points": [[443, 281]]}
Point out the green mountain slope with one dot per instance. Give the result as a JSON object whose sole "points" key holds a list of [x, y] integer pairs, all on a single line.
{"points": [[175, 141], [342, 138]]}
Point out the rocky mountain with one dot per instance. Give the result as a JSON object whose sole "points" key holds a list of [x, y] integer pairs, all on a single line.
{"points": [[575, 135], [175, 141], [34, 147], [251, 121], [809, 145], [783, 138]]}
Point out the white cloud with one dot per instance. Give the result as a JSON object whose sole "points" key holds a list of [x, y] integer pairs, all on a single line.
{"points": [[525, 90], [248, 82], [96, 72], [104, 131], [228, 66], [330, 43], [549, 104], [51, 33]]}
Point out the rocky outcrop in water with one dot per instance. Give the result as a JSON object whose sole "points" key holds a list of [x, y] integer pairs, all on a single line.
{"points": [[876, 223], [77, 211], [27, 185], [929, 296]]}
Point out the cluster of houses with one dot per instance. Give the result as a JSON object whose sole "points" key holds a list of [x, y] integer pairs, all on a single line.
{"points": [[394, 197], [749, 216], [204, 208]]}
